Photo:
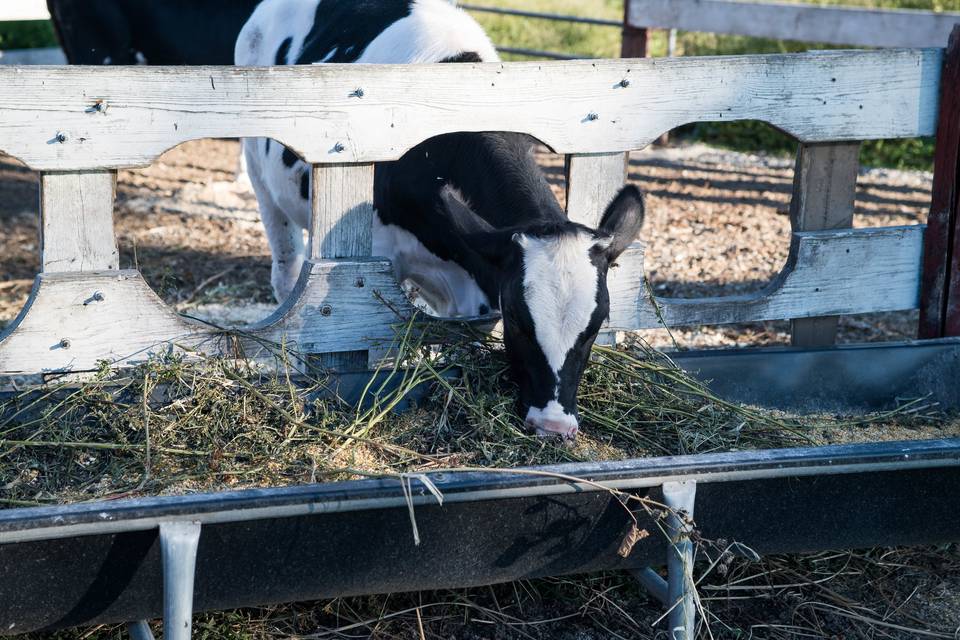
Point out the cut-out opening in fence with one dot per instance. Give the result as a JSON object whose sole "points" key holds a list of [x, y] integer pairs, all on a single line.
{"points": [[19, 238], [717, 221], [191, 225]]}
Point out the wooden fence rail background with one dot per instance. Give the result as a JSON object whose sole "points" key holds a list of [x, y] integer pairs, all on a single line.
{"points": [[78, 126]]}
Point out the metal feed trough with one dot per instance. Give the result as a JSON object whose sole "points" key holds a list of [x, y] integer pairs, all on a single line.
{"points": [[131, 560]]}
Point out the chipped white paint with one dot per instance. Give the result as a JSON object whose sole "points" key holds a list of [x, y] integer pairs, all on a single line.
{"points": [[815, 96], [805, 22]]}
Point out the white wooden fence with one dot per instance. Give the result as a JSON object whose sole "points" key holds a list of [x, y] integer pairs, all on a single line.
{"points": [[804, 22], [78, 126]]}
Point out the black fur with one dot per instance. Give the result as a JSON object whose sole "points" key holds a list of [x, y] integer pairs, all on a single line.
{"points": [[289, 158], [348, 26], [305, 184], [282, 52], [177, 32]]}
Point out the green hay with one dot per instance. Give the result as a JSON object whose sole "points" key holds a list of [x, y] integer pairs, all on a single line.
{"points": [[177, 425]]}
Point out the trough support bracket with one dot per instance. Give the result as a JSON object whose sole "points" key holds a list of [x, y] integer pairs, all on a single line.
{"points": [[178, 550], [140, 630], [678, 591]]}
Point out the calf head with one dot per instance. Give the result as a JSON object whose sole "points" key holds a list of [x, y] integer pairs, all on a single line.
{"points": [[553, 297]]}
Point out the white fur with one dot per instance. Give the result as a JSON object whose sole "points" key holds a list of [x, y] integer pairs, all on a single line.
{"points": [[560, 288], [445, 287], [553, 412], [434, 30]]}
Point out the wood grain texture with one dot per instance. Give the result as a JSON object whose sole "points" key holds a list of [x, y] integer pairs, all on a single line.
{"points": [[342, 211], [824, 190], [67, 326], [76, 213], [573, 107], [341, 227], [339, 305], [633, 40], [804, 22], [880, 268], [945, 202], [593, 181], [353, 305]]}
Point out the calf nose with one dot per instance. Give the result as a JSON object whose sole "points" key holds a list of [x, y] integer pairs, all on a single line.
{"points": [[553, 428]]}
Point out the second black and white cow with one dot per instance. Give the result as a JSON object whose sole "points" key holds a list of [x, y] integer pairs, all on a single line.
{"points": [[126, 32], [468, 217]]}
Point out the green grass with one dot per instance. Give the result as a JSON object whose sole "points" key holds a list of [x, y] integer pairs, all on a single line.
{"points": [[30, 34]]}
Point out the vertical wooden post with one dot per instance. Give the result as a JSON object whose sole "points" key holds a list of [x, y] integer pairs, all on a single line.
{"points": [[633, 40], [824, 190], [940, 281], [593, 180], [341, 227], [76, 221]]}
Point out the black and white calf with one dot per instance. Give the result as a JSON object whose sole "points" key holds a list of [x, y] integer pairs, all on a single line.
{"points": [[468, 218]]}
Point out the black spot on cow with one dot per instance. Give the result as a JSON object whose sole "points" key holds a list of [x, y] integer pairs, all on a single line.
{"points": [[305, 185], [283, 51], [266, 146], [466, 56], [289, 158], [342, 30]]}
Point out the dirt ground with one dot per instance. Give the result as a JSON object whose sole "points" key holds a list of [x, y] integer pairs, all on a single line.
{"points": [[717, 224]]}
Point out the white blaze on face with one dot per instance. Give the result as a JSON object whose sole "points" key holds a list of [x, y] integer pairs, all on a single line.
{"points": [[560, 289]]}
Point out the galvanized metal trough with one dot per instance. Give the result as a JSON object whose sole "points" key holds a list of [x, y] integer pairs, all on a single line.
{"points": [[132, 560]]}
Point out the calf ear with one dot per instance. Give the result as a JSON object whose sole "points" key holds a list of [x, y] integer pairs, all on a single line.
{"points": [[622, 221]]}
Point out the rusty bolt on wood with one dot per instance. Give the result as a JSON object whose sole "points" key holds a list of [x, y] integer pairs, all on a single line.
{"points": [[592, 116], [360, 283], [98, 296], [624, 83], [357, 93], [326, 310], [338, 147], [64, 343], [61, 137]]}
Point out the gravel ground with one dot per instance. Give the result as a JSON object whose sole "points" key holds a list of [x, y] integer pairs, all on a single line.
{"points": [[717, 224]]}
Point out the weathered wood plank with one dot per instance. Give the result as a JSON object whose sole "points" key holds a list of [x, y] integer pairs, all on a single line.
{"points": [[593, 180], [805, 22], [339, 305], [945, 202], [341, 227], [633, 40], [342, 211], [881, 268], [73, 321], [76, 212], [355, 305], [824, 190], [119, 117]]}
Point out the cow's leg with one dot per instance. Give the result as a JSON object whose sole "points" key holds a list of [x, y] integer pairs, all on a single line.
{"points": [[285, 236]]}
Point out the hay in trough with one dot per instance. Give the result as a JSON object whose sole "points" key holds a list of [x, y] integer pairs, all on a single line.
{"points": [[179, 424]]}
